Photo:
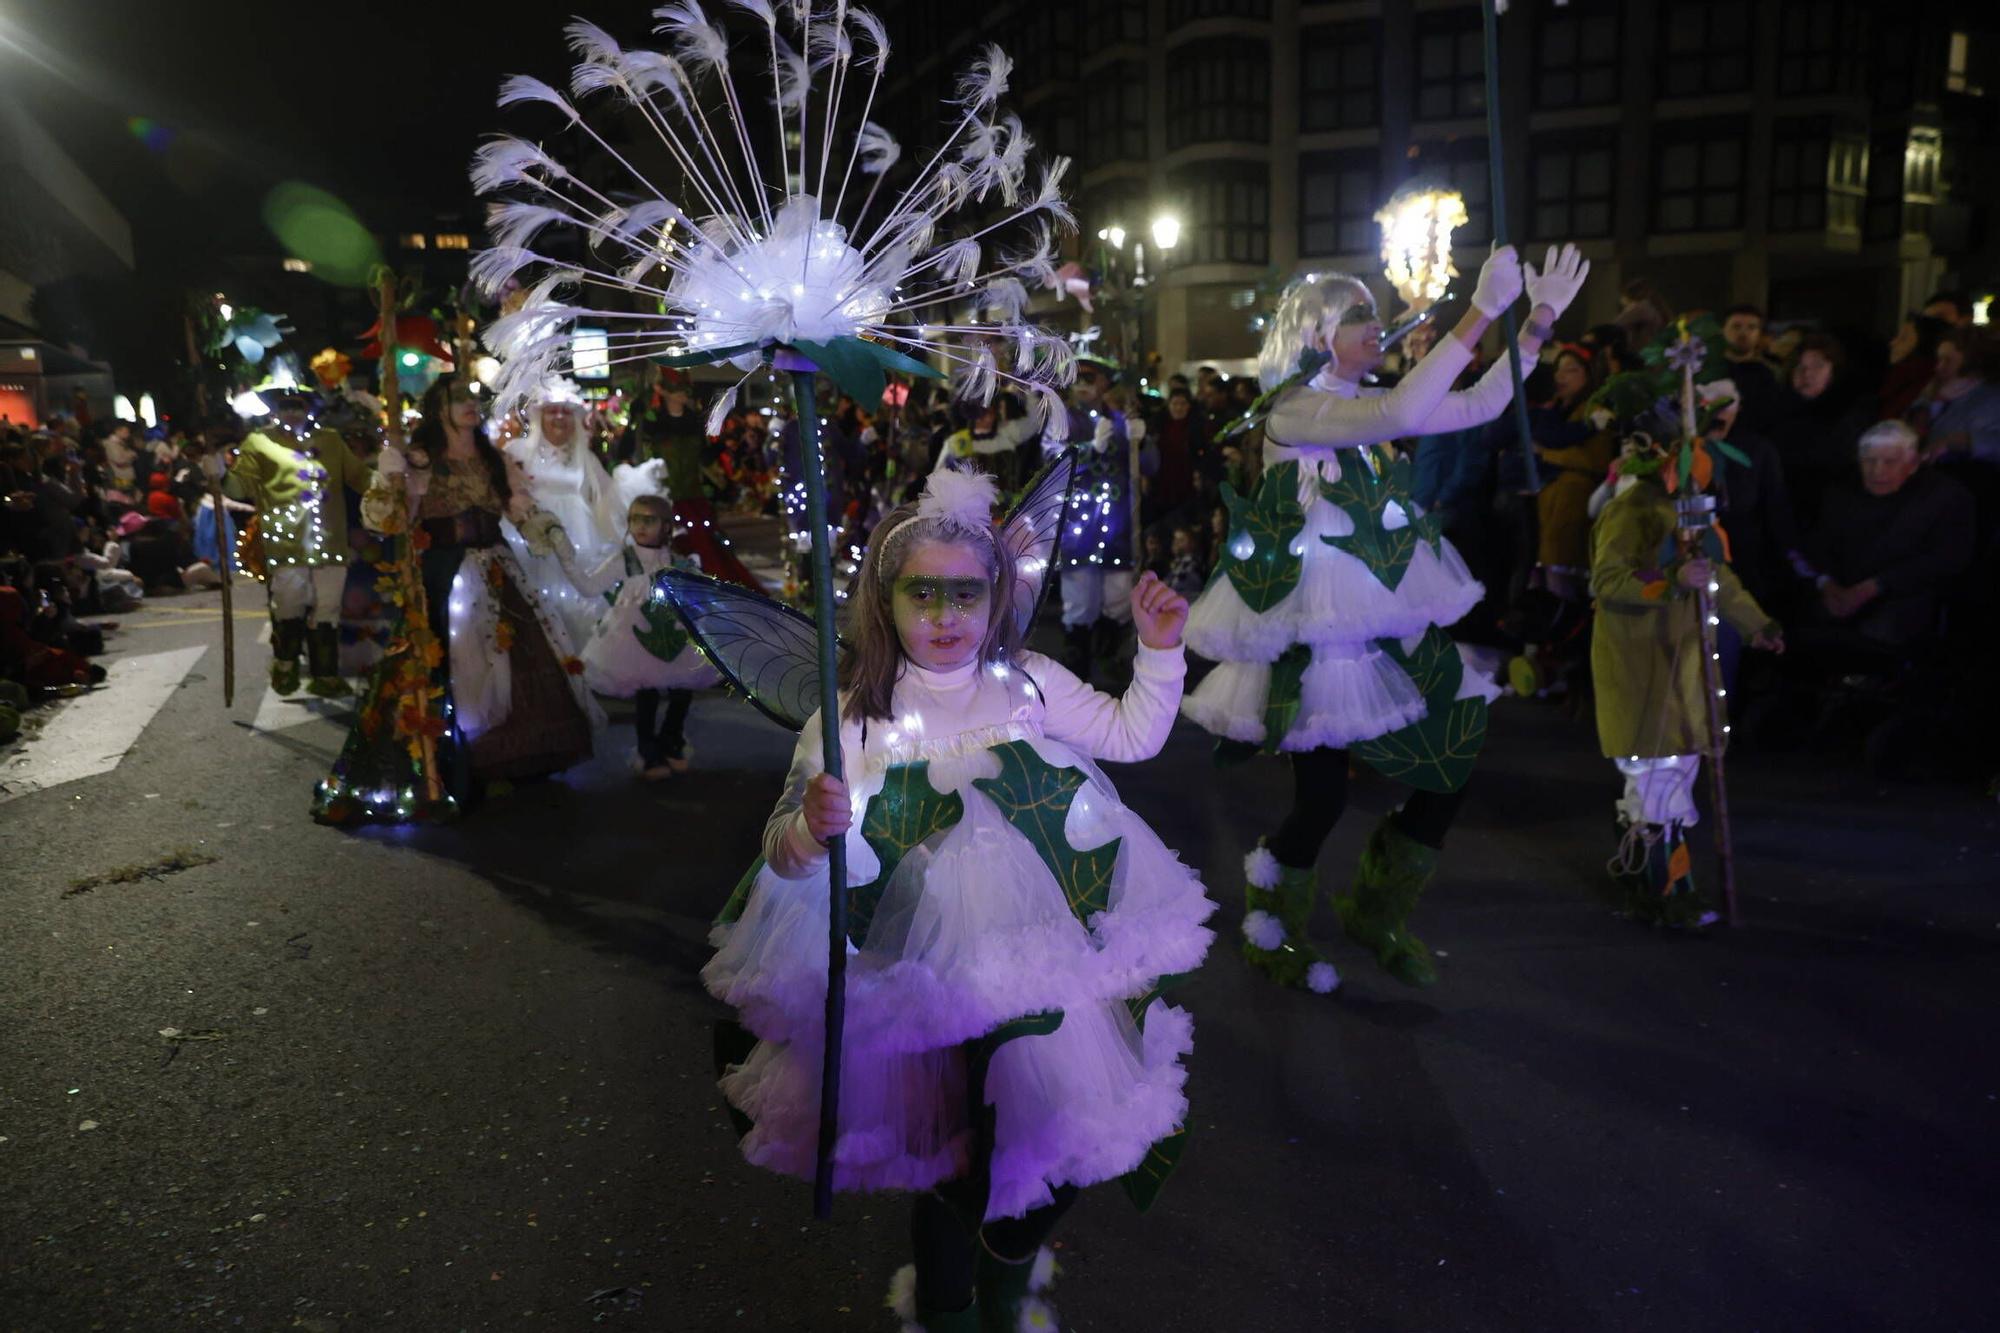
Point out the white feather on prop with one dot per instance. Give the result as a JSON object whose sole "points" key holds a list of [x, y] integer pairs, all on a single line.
{"points": [[1047, 405], [875, 149], [759, 253], [964, 498], [724, 404]]}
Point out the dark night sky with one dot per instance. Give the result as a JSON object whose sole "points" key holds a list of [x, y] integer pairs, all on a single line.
{"points": [[260, 93]]}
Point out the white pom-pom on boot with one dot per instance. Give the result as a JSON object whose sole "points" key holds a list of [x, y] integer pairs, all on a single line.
{"points": [[1260, 869], [902, 1298], [1321, 979], [1263, 930]]}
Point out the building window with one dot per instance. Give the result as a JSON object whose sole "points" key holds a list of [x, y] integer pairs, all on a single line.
{"points": [[1338, 196], [1799, 151], [1450, 65], [1576, 59], [1119, 203], [412, 240], [1226, 207], [1105, 22], [1048, 46], [1958, 65], [1186, 11], [1820, 47], [448, 240], [1704, 47], [1114, 114], [1698, 177], [1219, 91], [1339, 66], [1056, 127], [1574, 176]]}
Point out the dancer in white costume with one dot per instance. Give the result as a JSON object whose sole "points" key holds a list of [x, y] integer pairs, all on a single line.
{"points": [[568, 484], [1327, 610]]}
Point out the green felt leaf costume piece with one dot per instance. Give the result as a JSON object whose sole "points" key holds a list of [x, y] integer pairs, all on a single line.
{"points": [[1272, 520], [1281, 702], [1034, 796], [905, 812], [1436, 752], [663, 635], [1368, 481]]}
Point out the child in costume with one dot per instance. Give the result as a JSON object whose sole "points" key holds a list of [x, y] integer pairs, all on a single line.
{"points": [[1327, 608], [1010, 919], [1646, 572], [639, 649]]}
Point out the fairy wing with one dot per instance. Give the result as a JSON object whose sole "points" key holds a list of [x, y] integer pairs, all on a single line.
{"points": [[1030, 534], [766, 649]]}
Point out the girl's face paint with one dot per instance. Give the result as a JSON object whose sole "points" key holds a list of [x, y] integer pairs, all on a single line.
{"points": [[643, 522], [943, 601]]}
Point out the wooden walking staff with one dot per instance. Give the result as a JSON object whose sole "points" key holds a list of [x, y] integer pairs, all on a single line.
{"points": [[806, 404], [225, 552], [415, 605], [1489, 17], [1696, 513]]}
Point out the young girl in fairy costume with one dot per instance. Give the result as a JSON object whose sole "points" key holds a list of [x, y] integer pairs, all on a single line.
{"points": [[639, 651], [1004, 1043]]}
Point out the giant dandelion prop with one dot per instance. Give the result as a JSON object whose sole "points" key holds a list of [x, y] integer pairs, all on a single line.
{"points": [[804, 260]]}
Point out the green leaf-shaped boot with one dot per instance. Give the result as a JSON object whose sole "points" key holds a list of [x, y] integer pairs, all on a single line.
{"points": [[1391, 877], [1278, 902]]}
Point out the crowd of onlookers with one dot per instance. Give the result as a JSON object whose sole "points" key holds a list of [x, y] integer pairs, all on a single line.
{"points": [[1864, 519]]}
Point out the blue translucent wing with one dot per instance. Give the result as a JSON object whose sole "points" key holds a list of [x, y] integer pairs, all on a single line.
{"points": [[1030, 534], [767, 650]]}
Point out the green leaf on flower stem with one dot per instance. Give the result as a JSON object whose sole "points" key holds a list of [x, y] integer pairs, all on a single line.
{"points": [[1034, 796], [850, 365], [1270, 521], [891, 359], [1730, 452]]}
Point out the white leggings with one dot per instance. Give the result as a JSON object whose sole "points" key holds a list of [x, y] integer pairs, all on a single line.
{"points": [[1660, 790], [296, 590], [1089, 592]]}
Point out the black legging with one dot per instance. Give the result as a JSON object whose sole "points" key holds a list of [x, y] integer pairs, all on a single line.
{"points": [[1319, 795], [657, 739], [946, 1254]]}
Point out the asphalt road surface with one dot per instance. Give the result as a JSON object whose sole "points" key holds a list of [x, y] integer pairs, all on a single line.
{"points": [[459, 1077]]}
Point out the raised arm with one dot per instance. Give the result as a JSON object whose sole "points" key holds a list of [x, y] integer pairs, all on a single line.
{"points": [[1121, 728]]}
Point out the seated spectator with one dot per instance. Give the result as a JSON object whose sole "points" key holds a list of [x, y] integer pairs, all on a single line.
{"points": [[57, 502], [1958, 412], [1912, 363], [1814, 426], [1187, 570], [1884, 550]]}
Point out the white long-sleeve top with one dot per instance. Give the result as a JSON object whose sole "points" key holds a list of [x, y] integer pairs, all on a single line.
{"points": [[946, 714], [1334, 413]]}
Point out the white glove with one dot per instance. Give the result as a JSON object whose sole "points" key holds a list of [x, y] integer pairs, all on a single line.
{"points": [[1499, 282], [1100, 439], [1135, 430], [1560, 279]]}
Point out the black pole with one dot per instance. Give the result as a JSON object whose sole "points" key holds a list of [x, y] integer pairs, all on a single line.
{"points": [[1497, 192], [805, 403]]}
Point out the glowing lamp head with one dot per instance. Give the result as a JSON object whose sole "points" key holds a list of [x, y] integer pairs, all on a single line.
{"points": [[1416, 242]]}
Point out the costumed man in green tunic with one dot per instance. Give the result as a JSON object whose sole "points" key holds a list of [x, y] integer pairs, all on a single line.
{"points": [[293, 469], [1646, 574]]}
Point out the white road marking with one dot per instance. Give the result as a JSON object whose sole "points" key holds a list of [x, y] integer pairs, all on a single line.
{"points": [[93, 731], [277, 712]]}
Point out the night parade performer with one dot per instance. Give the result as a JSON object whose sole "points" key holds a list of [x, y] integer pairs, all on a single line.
{"points": [[639, 649], [1096, 559], [513, 702], [668, 427], [1004, 1043], [1327, 610], [1646, 651], [295, 471], [566, 482]]}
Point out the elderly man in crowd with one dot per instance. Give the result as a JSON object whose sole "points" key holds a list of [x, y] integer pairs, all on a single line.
{"points": [[1886, 549]]}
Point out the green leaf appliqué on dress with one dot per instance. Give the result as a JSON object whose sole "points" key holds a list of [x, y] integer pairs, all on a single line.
{"points": [[663, 635], [1363, 493], [1258, 557], [905, 812], [1437, 751], [1035, 797]]}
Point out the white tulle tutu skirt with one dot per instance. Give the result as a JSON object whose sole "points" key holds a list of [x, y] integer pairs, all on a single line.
{"points": [[617, 664], [1352, 691], [972, 931]]}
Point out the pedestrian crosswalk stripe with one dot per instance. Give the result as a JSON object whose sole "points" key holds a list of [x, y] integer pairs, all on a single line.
{"points": [[93, 732], [278, 712]]}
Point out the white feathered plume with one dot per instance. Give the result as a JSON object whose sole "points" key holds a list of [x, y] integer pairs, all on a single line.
{"points": [[746, 254]]}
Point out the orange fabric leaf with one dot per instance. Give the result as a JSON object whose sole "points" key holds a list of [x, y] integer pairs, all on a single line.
{"points": [[1703, 470], [1655, 590], [1679, 866]]}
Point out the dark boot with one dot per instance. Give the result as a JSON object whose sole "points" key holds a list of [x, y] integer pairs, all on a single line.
{"points": [[1391, 877], [1655, 869], [917, 1319], [1278, 902], [288, 640], [323, 652], [1013, 1294]]}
